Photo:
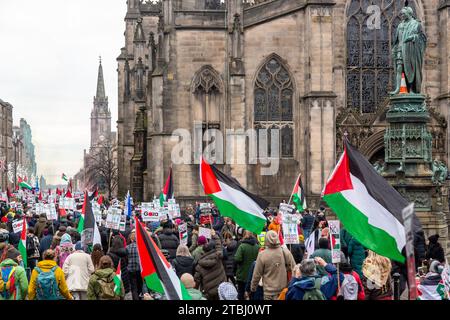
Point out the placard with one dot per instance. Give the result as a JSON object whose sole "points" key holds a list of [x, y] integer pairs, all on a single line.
{"points": [[335, 240], [174, 210], [150, 216], [204, 232], [109, 219], [290, 229], [39, 207], [50, 211], [17, 225], [182, 231], [286, 208], [123, 222]]}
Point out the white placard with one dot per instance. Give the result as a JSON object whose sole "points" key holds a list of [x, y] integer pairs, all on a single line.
{"points": [[50, 211], [290, 229], [123, 222], [109, 218], [335, 240], [40, 208], [204, 232], [182, 230], [151, 216], [286, 208], [17, 226]]}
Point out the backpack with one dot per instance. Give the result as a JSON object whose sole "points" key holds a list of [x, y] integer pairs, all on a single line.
{"points": [[107, 286], [31, 246], [314, 294], [8, 283], [46, 285], [349, 287]]}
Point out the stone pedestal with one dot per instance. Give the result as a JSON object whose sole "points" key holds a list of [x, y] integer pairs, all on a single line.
{"points": [[408, 164]]}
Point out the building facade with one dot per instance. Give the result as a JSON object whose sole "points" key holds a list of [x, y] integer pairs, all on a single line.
{"points": [[316, 70], [6, 146]]}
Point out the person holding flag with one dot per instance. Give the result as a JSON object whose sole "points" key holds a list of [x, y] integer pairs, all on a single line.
{"points": [[16, 285], [105, 283]]}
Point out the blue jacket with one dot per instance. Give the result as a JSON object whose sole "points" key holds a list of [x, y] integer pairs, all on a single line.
{"points": [[45, 243], [298, 286], [330, 282]]}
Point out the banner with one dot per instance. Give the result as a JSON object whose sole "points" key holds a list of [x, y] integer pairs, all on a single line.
{"points": [[290, 229], [335, 240], [182, 230]]}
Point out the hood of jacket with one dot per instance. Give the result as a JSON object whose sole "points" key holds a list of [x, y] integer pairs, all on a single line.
{"points": [[184, 261], [167, 231], [105, 273], [272, 239], [305, 283], [251, 241], [8, 263], [208, 260], [46, 265], [42, 220]]}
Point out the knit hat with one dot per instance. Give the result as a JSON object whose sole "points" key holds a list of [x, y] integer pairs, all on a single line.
{"points": [[201, 240], [227, 291], [434, 238], [78, 246], [66, 238], [178, 221]]}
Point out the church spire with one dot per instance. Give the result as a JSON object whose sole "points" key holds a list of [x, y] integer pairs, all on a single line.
{"points": [[100, 82]]}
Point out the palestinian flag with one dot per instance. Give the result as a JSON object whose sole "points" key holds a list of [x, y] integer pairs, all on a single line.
{"points": [[167, 192], [233, 201], [64, 177], [23, 243], [367, 205], [87, 226], [155, 269], [40, 196], [298, 196], [118, 281], [100, 200], [68, 194], [25, 185]]}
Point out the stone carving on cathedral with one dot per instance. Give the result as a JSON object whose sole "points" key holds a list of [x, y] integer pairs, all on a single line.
{"points": [[408, 52]]}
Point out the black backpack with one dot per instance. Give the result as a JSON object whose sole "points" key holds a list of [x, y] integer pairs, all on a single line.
{"points": [[31, 246]]}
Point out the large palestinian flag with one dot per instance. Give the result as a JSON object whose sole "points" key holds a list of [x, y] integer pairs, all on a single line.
{"points": [[233, 201], [367, 205], [23, 243], [167, 192], [155, 269], [87, 226]]}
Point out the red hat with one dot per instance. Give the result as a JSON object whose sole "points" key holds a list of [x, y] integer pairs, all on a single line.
{"points": [[201, 240], [4, 219]]}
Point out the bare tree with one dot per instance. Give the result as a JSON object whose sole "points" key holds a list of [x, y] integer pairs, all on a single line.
{"points": [[102, 167]]}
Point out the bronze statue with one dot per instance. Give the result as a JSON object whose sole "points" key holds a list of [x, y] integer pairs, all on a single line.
{"points": [[408, 52]]}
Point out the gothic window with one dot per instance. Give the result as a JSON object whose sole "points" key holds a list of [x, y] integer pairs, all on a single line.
{"points": [[273, 104], [369, 63]]}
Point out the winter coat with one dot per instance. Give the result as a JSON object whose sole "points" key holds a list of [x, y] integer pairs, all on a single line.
{"points": [[40, 226], [46, 266], [183, 265], [228, 258], [297, 252], [273, 265], [35, 254], [197, 254], [245, 255], [94, 288], [45, 243], [299, 286], [121, 255], [78, 268], [170, 242], [209, 272], [194, 239], [325, 254], [20, 277], [354, 250], [308, 223], [329, 284], [435, 252], [259, 293], [196, 294]]}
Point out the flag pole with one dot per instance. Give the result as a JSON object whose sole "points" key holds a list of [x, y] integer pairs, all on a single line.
{"points": [[292, 193]]}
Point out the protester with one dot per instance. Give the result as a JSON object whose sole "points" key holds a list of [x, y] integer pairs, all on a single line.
{"points": [[431, 286], [246, 254], [377, 277], [101, 284], [78, 267], [13, 278], [435, 250], [46, 242], [304, 284], [169, 240], [64, 249], [325, 253], [32, 244], [134, 269], [307, 223], [229, 252], [209, 272], [258, 295], [41, 225], [272, 266], [189, 283], [352, 287], [197, 253], [118, 253], [47, 280], [354, 250], [183, 262]]}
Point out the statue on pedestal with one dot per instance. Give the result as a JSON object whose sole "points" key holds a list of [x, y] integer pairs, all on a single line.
{"points": [[408, 52]]}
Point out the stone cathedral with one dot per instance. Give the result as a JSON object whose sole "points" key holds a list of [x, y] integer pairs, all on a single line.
{"points": [[317, 70]]}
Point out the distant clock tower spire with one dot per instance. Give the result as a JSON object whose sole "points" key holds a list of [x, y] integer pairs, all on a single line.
{"points": [[100, 115]]}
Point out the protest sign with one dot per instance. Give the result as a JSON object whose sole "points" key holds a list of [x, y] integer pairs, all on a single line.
{"points": [[335, 240], [182, 230], [122, 223], [290, 229], [4, 196], [204, 232], [109, 218], [286, 208], [50, 211], [174, 210], [17, 226]]}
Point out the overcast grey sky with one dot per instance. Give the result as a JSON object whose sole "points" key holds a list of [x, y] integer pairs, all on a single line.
{"points": [[49, 53]]}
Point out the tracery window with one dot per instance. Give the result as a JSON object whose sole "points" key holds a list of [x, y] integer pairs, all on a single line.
{"points": [[369, 41], [273, 104]]}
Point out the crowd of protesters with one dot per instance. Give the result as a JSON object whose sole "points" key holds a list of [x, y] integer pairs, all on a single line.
{"points": [[234, 264]]}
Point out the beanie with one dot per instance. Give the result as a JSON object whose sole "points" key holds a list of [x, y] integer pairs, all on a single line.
{"points": [[201, 240]]}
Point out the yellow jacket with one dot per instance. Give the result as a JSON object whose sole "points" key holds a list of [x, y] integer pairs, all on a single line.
{"points": [[45, 266]]}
